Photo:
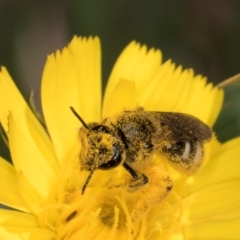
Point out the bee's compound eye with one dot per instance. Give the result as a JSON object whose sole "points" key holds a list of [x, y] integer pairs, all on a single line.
{"points": [[114, 161]]}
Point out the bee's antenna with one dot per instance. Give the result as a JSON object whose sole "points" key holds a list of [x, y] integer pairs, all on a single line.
{"points": [[87, 181], [79, 118]]}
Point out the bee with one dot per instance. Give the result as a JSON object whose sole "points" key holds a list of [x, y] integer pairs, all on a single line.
{"points": [[131, 138]]}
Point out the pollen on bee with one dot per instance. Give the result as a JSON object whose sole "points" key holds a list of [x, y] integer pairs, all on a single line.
{"points": [[130, 139]]}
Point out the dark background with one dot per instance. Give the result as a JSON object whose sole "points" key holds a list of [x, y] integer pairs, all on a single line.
{"points": [[203, 35]]}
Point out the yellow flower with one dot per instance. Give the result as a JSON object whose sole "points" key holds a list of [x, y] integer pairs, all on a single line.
{"points": [[43, 186]]}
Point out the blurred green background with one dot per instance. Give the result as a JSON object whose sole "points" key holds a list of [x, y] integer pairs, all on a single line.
{"points": [[203, 35]]}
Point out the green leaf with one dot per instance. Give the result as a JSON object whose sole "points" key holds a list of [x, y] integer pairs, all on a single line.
{"points": [[228, 122]]}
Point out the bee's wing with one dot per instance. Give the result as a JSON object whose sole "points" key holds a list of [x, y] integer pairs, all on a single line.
{"points": [[182, 137], [181, 126]]}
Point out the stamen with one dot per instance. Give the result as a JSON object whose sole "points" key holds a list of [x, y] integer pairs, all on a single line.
{"points": [[71, 216]]}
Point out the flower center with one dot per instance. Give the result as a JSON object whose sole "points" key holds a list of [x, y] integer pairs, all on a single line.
{"points": [[104, 211]]}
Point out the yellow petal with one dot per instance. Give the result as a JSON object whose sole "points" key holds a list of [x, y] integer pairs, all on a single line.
{"points": [[205, 101], [225, 163], [29, 161], [161, 87], [15, 218], [12, 101], [179, 91], [155, 87], [19, 226], [218, 202], [25, 233], [71, 78], [134, 64], [125, 89], [223, 166], [214, 230], [211, 201], [10, 194]]}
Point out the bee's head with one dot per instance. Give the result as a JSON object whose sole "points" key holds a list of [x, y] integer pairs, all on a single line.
{"points": [[101, 147]]}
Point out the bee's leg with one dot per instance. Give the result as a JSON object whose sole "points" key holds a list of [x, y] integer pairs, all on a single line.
{"points": [[158, 187], [138, 179]]}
